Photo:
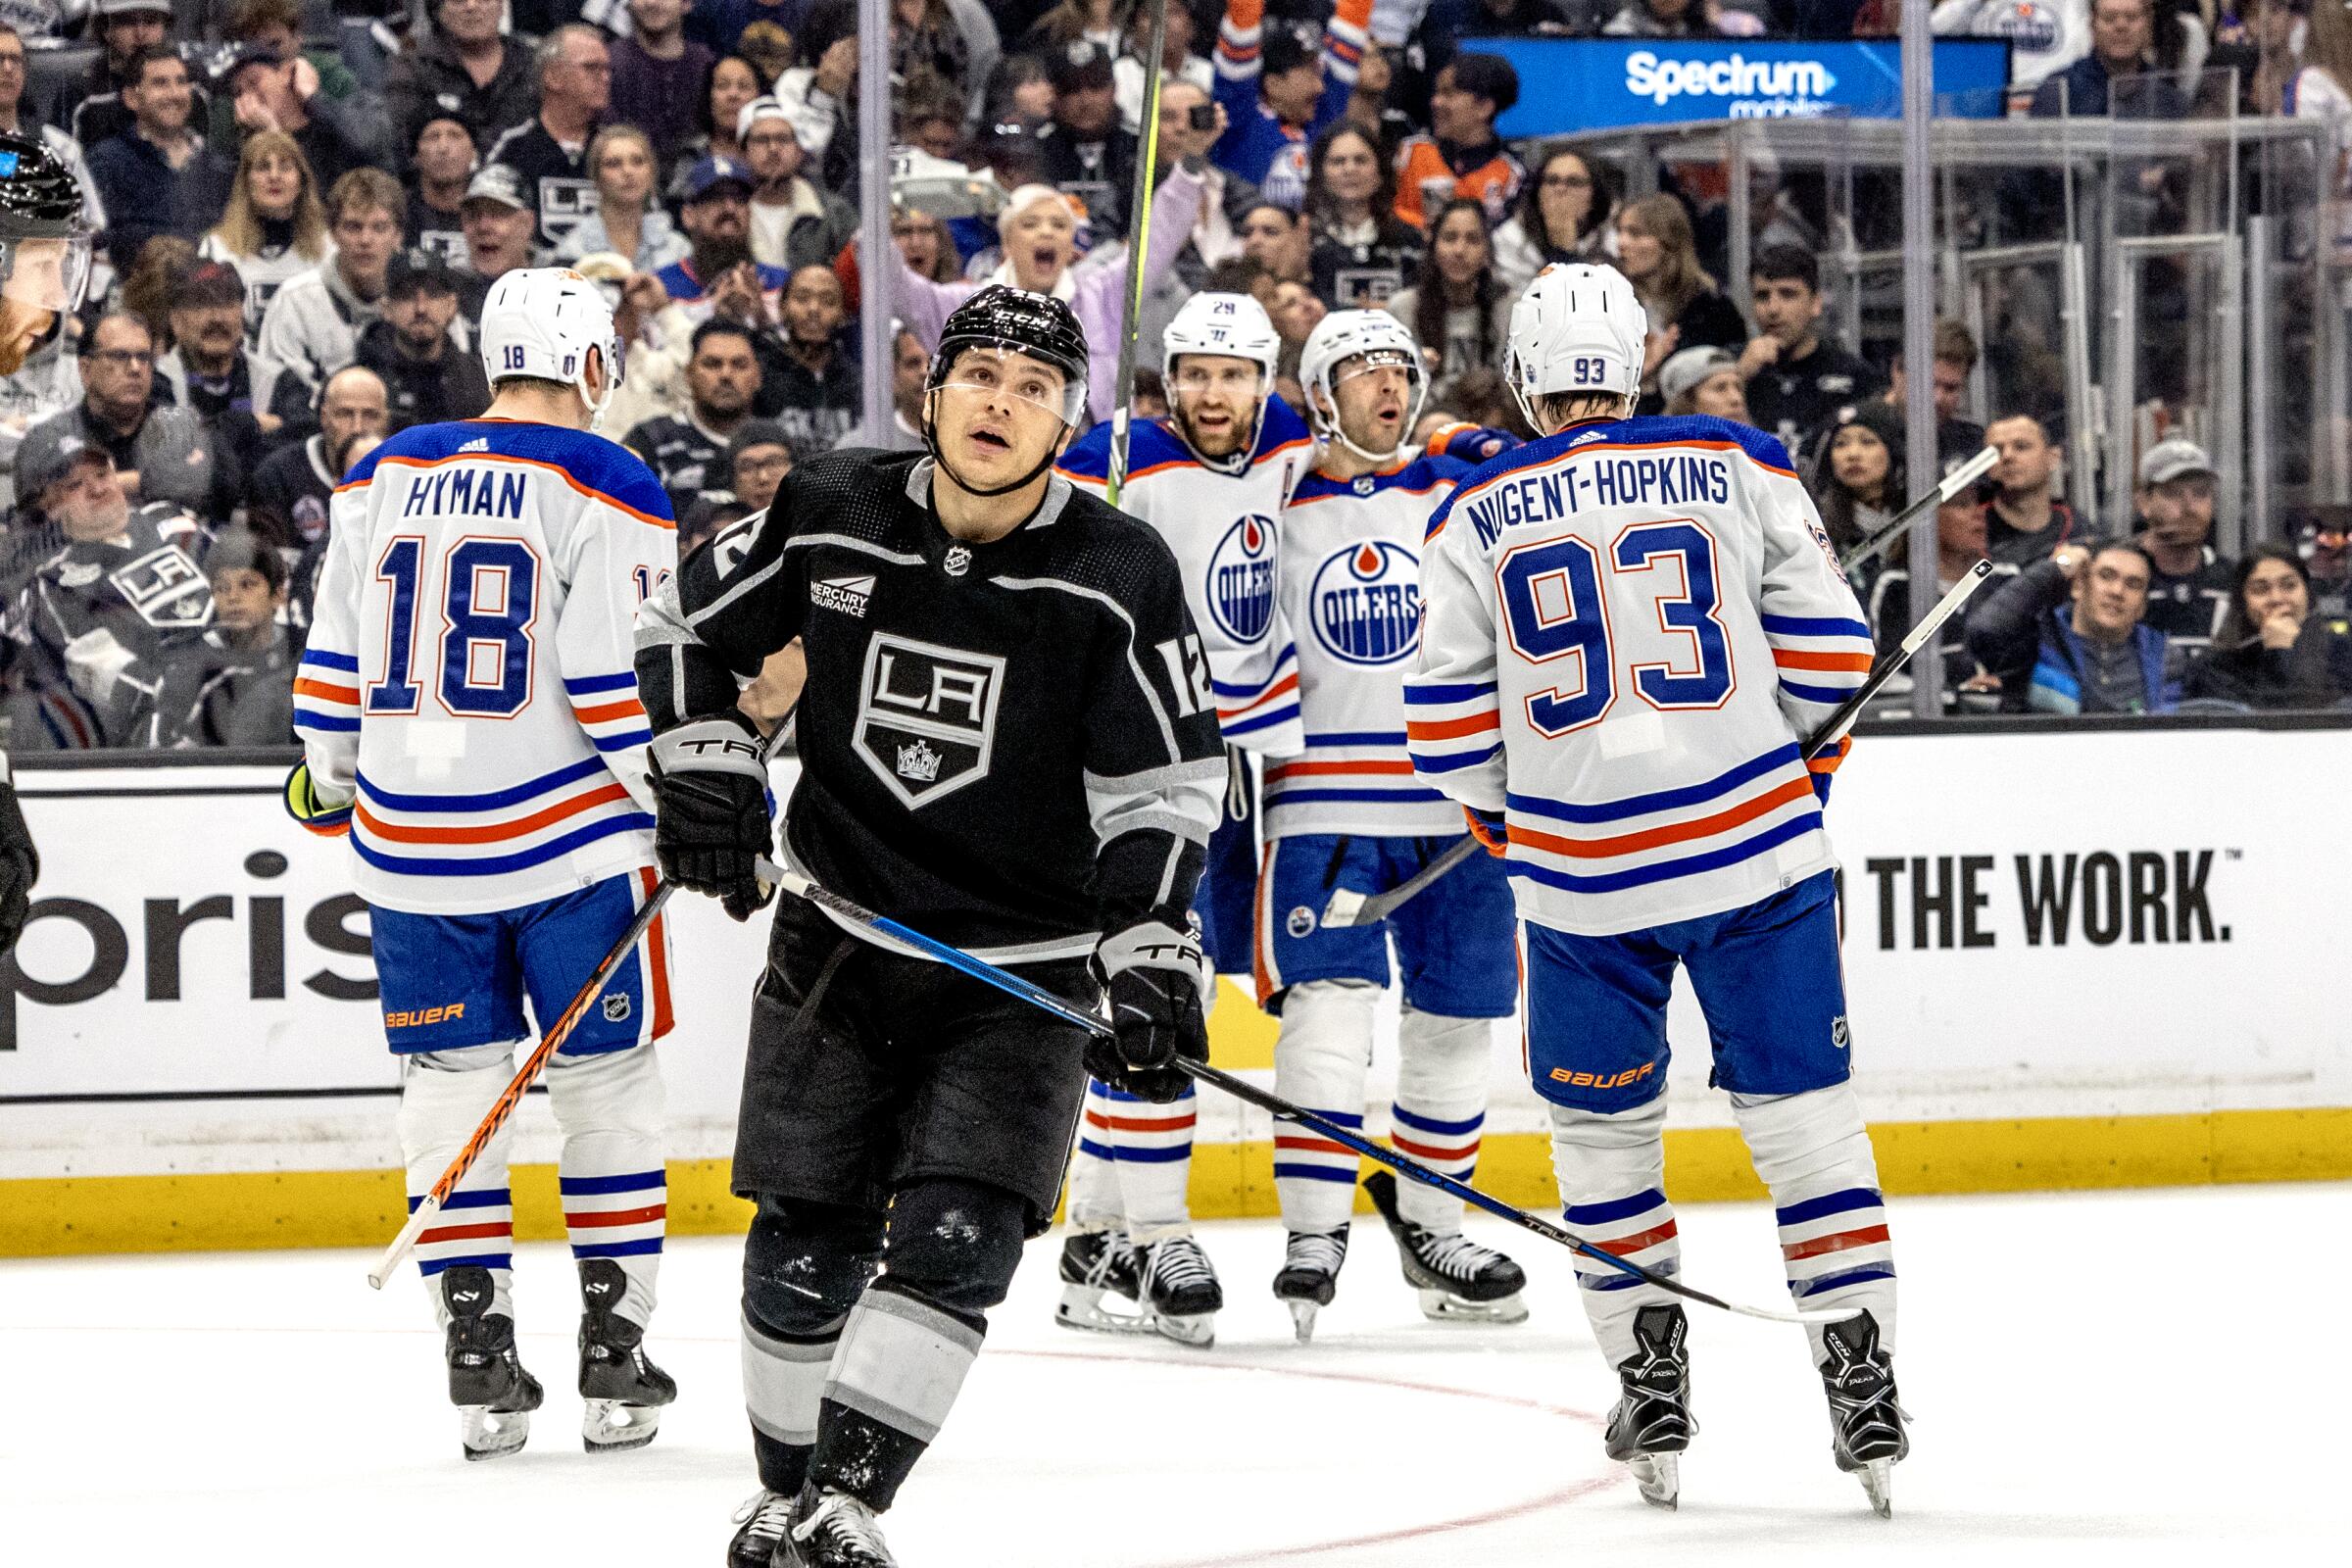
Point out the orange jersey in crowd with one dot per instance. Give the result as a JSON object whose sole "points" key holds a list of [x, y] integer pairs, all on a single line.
{"points": [[1495, 182]]}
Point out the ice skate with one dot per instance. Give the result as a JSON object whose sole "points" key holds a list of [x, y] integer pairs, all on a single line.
{"points": [[1181, 1294], [1096, 1265], [1309, 1276], [760, 1526], [1458, 1280], [493, 1393], [624, 1391], [835, 1530], [1866, 1424], [1651, 1424]]}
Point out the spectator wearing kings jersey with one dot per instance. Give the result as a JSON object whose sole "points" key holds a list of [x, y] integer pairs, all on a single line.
{"points": [[550, 150], [1796, 376], [686, 450], [2190, 586], [1280, 94]]}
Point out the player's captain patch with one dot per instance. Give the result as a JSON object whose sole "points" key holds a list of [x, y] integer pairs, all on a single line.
{"points": [[1240, 579], [1365, 603], [927, 716], [848, 594]]}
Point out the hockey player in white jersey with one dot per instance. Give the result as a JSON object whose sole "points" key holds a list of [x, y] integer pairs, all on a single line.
{"points": [[1346, 811], [1628, 626], [468, 712], [1213, 478]]}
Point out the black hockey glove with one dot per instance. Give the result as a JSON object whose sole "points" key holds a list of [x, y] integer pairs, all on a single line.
{"points": [[1158, 982], [20, 867], [711, 827]]}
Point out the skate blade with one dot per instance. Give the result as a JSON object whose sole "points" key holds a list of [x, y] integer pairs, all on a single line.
{"points": [[1198, 1330], [1443, 1306], [614, 1426], [1878, 1482], [1081, 1308], [1302, 1319], [488, 1434], [1661, 1479]]}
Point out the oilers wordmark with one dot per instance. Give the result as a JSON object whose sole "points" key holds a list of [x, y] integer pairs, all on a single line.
{"points": [[1240, 579], [1365, 602]]}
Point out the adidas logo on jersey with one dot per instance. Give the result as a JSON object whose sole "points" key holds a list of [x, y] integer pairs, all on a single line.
{"points": [[481, 444], [847, 595], [918, 762]]}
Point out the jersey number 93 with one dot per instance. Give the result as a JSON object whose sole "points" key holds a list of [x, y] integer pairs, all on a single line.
{"points": [[1554, 608]]}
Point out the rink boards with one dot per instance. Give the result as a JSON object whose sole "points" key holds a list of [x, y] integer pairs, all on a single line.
{"points": [[2078, 956]]}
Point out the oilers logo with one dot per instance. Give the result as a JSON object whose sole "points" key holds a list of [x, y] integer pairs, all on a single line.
{"points": [[1365, 603], [1241, 580]]}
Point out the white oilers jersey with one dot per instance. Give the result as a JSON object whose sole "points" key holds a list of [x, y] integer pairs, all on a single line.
{"points": [[470, 669], [1351, 592], [1226, 533], [1625, 630]]}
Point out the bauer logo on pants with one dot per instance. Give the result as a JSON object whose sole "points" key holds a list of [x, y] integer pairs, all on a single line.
{"points": [[927, 716]]}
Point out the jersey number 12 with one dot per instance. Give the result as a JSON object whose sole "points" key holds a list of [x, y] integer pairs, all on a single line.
{"points": [[487, 607], [1554, 608]]}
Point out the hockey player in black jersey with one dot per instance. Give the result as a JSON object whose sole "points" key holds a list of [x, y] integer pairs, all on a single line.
{"points": [[1008, 741]]}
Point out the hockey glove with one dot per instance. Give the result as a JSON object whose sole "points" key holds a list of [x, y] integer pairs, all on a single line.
{"points": [[1158, 982], [711, 823], [19, 866], [316, 809], [1489, 828]]}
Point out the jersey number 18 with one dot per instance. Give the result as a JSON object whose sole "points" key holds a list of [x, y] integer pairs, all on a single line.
{"points": [[488, 604]]}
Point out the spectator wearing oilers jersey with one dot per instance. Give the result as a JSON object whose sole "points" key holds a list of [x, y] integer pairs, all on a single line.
{"points": [[1630, 629], [1461, 159], [1279, 94]]}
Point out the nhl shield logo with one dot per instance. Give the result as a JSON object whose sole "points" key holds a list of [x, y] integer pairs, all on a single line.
{"points": [[1365, 603], [616, 1007], [1240, 579], [927, 716]]}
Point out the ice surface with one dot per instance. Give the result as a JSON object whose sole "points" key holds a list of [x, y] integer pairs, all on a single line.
{"points": [[2132, 1377]]}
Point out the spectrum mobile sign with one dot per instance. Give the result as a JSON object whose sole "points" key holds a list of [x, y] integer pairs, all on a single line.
{"points": [[1570, 84]]}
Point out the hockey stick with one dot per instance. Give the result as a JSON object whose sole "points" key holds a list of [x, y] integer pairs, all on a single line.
{"points": [[1348, 907], [1138, 234], [1273, 1104], [1950, 485], [523, 1078]]}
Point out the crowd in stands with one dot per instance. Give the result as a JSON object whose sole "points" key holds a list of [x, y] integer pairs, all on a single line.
{"points": [[299, 206]]}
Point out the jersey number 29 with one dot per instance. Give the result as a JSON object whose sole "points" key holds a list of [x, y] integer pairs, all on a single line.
{"points": [[1554, 608], [487, 607]]}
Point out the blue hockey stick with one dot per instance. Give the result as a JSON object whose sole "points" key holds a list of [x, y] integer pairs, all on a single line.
{"points": [[1273, 1104]]}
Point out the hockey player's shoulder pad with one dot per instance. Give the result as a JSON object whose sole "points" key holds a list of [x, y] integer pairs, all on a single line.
{"points": [[1282, 427], [853, 490], [1099, 546], [1662, 430], [1150, 444], [596, 468]]}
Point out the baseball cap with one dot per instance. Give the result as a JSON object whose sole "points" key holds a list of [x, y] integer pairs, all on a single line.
{"points": [[756, 433], [2171, 459], [1685, 371], [708, 174], [208, 284], [417, 270], [1082, 65], [134, 8], [763, 107], [45, 465], [229, 63], [496, 182]]}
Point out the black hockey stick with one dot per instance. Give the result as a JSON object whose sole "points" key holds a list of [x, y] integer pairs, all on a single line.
{"points": [[1273, 1104], [1348, 907]]}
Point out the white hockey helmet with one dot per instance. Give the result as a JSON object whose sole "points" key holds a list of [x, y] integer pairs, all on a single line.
{"points": [[541, 322], [1579, 327], [1233, 324], [1377, 338]]}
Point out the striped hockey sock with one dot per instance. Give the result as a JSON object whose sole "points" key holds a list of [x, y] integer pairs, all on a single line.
{"points": [[1443, 1071], [1152, 1145]]}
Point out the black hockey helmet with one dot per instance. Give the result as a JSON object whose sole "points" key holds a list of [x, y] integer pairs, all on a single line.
{"points": [[1000, 317], [41, 200]]}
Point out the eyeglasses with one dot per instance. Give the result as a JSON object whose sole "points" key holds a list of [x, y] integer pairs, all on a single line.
{"points": [[124, 359], [1567, 182]]}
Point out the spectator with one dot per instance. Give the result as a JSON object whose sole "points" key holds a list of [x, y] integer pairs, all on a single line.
{"points": [[275, 226], [2325, 544], [1796, 376], [1657, 255], [2066, 635], [90, 659], [1458, 313], [817, 95], [1856, 478], [288, 506], [158, 176], [467, 68], [1087, 154], [820, 389], [499, 224], [1297, 310], [1682, 18], [656, 74], [926, 39], [719, 275], [626, 220], [1275, 239], [722, 376], [1094, 21], [145, 291], [1020, 96], [923, 241], [909, 366], [1362, 253], [2024, 520], [1279, 93], [428, 376], [313, 327], [1959, 545], [1563, 215], [2271, 652], [1955, 351], [157, 452], [550, 150], [278, 27], [2188, 585], [234, 686], [793, 222], [20, 119], [275, 94], [2122, 44], [930, 117], [443, 161], [718, 116], [248, 399], [1461, 157], [125, 29], [1705, 380], [1179, 63]]}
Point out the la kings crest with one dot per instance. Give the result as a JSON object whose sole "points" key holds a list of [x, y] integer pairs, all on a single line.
{"points": [[927, 716]]}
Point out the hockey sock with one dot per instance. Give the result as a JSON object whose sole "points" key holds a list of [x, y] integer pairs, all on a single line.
{"points": [[803, 1268], [1320, 1063], [1094, 1203], [783, 1393], [1444, 1065], [616, 1196], [1612, 1176], [1813, 1153], [1154, 1148], [444, 1094]]}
